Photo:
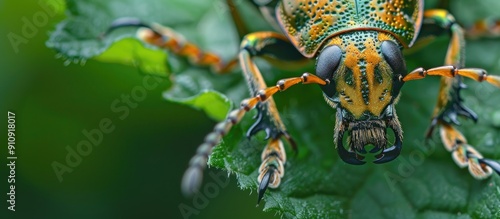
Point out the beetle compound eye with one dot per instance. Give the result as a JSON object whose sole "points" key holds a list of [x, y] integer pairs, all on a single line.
{"points": [[327, 64], [328, 61], [394, 57]]}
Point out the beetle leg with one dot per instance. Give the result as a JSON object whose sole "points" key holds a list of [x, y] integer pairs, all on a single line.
{"points": [[465, 155], [275, 47], [265, 44], [166, 38], [484, 28], [272, 168], [450, 104], [194, 174]]}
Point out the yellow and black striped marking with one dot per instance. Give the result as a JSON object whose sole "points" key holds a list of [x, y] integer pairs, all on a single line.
{"points": [[364, 80]]}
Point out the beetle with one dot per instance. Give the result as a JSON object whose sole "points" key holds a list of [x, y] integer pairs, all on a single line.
{"points": [[360, 69]]}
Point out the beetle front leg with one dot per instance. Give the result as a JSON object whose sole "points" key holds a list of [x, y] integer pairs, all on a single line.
{"points": [[263, 44], [275, 47], [450, 103]]}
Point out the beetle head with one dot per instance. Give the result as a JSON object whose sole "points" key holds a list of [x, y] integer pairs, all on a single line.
{"points": [[364, 70]]}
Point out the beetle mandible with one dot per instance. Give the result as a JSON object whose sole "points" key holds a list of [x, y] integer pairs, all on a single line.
{"points": [[360, 69]]}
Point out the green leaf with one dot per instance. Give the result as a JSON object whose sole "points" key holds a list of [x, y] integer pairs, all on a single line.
{"points": [[79, 37], [213, 103], [423, 182], [130, 51]]}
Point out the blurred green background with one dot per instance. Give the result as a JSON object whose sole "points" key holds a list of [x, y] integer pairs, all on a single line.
{"points": [[137, 169], [132, 173]]}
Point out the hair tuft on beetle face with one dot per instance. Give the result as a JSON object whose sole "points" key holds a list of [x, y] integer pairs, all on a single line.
{"points": [[364, 133]]}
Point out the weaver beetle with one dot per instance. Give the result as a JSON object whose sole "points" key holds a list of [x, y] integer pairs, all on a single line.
{"points": [[359, 67]]}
